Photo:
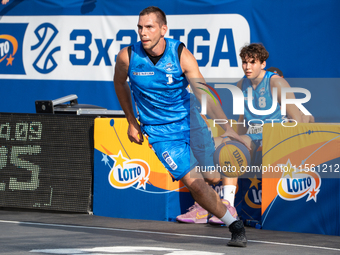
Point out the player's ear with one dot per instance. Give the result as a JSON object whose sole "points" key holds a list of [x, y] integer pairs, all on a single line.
{"points": [[263, 65], [164, 29]]}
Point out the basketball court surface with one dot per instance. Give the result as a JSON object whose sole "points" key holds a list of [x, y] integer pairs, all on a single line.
{"points": [[41, 233]]}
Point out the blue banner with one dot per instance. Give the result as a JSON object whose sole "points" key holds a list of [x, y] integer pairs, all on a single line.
{"points": [[70, 47]]}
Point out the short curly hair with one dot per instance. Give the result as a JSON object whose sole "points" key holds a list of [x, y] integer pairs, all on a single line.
{"points": [[255, 51]]}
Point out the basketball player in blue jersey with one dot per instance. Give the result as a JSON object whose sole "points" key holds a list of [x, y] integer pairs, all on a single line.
{"points": [[262, 82], [159, 70]]}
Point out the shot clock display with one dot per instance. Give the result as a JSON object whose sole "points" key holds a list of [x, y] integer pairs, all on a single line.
{"points": [[46, 161]]}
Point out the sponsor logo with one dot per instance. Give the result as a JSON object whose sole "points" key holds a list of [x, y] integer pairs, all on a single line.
{"points": [[168, 159], [253, 197], [169, 67], [140, 66], [201, 216], [11, 49], [8, 48], [45, 63], [297, 183], [262, 91], [126, 172], [143, 73]]}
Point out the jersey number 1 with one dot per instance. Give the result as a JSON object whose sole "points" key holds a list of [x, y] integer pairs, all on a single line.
{"points": [[170, 80]]}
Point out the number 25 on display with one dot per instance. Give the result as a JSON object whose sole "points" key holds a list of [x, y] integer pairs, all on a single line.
{"points": [[23, 132]]}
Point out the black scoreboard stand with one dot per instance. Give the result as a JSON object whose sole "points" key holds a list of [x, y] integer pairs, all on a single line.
{"points": [[46, 159]]}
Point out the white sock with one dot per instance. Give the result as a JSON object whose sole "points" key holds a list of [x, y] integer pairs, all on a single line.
{"points": [[229, 193], [228, 219]]}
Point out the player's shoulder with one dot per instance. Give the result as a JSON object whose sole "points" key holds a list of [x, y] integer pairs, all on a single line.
{"points": [[278, 81], [186, 52], [123, 51], [187, 60], [123, 56], [275, 80], [275, 76]]}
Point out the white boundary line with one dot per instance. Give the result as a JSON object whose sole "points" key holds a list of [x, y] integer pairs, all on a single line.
{"points": [[164, 233]]}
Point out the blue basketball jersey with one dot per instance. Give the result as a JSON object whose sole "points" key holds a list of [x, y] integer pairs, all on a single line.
{"points": [[261, 99], [159, 90]]}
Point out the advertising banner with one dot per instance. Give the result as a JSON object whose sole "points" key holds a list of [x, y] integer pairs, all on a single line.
{"points": [[129, 180], [50, 49], [301, 178]]}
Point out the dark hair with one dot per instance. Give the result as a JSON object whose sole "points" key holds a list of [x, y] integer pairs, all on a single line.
{"points": [[255, 51], [159, 13]]}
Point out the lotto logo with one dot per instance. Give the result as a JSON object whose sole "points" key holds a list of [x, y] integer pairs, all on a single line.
{"points": [[300, 183], [11, 39], [126, 173], [8, 48]]}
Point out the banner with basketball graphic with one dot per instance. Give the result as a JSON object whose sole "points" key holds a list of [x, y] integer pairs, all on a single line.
{"points": [[129, 180], [301, 178], [50, 49]]}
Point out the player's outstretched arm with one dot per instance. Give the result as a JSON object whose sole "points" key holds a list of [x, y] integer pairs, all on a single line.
{"points": [[293, 111], [124, 96], [191, 70]]}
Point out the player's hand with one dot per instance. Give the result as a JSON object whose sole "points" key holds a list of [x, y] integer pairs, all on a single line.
{"points": [[232, 135], [307, 118], [135, 134]]}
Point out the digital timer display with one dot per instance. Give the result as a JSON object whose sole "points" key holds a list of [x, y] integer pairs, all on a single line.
{"points": [[46, 161], [23, 132]]}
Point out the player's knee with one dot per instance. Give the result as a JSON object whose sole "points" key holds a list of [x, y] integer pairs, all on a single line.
{"points": [[212, 181], [212, 177]]}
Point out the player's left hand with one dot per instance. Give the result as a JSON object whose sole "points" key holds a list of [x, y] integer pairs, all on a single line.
{"points": [[135, 134]]}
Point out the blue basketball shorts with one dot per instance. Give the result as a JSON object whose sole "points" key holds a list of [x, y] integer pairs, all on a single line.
{"points": [[182, 145]]}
